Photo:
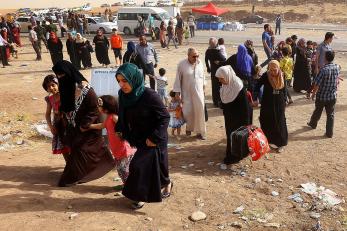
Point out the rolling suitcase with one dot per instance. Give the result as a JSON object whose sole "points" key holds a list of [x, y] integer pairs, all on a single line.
{"points": [[239, 143]]}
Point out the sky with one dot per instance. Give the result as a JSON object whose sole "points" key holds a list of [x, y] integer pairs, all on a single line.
{"points": [[15, 4]]}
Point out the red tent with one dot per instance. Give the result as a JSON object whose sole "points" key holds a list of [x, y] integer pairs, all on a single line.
{"points": [[210, 9]]}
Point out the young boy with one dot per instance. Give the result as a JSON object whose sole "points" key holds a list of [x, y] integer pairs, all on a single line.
{"points": [[286, 65], [161, 85], [117, 45], [222, 48]]}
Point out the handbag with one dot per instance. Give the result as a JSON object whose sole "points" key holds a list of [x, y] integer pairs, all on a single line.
{"points": [[257, 142]]}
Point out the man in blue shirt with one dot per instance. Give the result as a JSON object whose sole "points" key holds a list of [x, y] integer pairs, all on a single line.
{"points": [[322, 49], [266, 38], [149, 56], [324, 89]]}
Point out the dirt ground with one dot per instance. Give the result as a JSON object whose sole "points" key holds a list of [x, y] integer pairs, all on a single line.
{"points": [[30, 200]]}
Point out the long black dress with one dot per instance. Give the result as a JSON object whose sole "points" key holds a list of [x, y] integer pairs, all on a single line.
{"points": [[212, 55], [56, 50], [133, 57], [148, 118], [101, 49], [272, 112], [84, 53], [236, 114], [302, 79], [89, 159], [73, 53]]}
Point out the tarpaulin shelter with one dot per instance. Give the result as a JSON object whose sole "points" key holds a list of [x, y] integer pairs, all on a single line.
{"points": [[211, 9]]}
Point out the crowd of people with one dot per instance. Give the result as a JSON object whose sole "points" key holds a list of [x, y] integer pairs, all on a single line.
{"points": [[137, 124]]}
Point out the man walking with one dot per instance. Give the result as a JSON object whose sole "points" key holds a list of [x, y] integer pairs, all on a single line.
{"points": [[148, 55], [324, 89], [191, 24], [189, 88], [266, 38], [322, 49], [213, 55], [34, 42], [278, 22], [179, 28]]}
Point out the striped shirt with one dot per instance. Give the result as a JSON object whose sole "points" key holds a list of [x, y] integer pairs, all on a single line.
{"points": [[327, 80]]}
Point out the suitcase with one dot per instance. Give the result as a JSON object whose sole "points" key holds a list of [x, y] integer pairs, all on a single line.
{"points": [[239, 143]]}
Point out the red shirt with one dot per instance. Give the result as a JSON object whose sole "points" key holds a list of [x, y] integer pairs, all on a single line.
{"points": [[120, 148]]}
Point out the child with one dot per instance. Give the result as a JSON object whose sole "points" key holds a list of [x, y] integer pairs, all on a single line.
{"points": [[161, 85], [13, 50], [117, 46], [50, 84], [176, 116], [186, 35], [120, 149], [286, 65], [222, 47]]}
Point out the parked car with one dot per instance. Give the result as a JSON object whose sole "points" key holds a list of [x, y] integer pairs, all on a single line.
{"points": [[105, 5], [252, 19], [117, 4], [209, 18], [96, 23], [23, 22]]}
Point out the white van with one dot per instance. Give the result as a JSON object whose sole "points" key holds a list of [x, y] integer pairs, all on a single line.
{"points": [[127, 18]]}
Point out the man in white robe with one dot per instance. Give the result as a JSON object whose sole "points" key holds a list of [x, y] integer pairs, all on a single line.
{"points": [[189, 87]]}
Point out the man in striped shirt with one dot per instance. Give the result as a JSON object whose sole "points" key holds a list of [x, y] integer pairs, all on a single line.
{"points": [[325, 91]]}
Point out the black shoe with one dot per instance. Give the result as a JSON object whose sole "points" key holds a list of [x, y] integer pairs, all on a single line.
{"points": [[328, 136], [308, 124]]}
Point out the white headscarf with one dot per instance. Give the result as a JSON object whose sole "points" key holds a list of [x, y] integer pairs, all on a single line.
{"points": [[229, 92]]}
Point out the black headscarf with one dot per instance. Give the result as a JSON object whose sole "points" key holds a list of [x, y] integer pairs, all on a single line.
{"points": [[67, 84]]}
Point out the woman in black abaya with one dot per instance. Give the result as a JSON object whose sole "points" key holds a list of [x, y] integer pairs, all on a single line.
{"points": [[302, 76], [143, 122], [101, 48], [236, 109], [55, 47], [272, 112], [90, 159]]}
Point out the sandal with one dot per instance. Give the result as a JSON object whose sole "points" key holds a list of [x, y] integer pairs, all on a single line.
{"points": [[137, 205], [167, 194]]}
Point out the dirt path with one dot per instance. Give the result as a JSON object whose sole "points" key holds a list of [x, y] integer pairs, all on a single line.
{"points": [[30, 200]]}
